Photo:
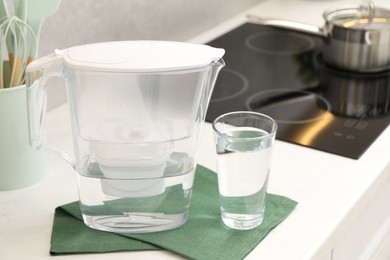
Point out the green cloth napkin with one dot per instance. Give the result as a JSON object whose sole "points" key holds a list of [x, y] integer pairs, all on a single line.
{"points": [[204, 236]]}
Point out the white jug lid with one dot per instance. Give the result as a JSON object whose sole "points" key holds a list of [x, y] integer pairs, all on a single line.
{"points": [[140, 56]]}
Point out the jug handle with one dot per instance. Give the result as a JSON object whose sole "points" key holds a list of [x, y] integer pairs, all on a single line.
{"points": [[37, 74]]}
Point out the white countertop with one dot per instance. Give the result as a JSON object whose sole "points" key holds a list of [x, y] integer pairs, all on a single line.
{"points": [[330, 189]]}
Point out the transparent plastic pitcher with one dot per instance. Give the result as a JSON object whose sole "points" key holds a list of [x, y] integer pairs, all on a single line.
{"points": [[136, 110]]}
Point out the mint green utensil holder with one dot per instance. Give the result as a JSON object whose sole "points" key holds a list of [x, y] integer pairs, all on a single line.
{"points": [[20, 165]]}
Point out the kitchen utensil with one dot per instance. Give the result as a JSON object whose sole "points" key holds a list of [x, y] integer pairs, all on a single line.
{"points": [[136, 109], [3, 15], [23, 42], [37, 11], [20, 12], [3, 9], [20, 7], [351, 42], [2, 50]]}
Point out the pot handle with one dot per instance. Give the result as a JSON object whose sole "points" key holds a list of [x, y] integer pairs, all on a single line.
{"points": [[286, 24], [38, 73]]}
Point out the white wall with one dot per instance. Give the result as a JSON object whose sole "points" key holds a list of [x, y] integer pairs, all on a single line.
{"points": [[85, 21]]}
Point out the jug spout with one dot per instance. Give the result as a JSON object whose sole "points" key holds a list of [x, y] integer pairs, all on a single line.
{"points": [[217, 66]]}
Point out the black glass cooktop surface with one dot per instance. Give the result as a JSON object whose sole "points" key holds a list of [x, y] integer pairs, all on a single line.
{"points": [[281, 73]]}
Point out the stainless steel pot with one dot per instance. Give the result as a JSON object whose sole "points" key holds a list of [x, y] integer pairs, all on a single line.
{"points": [[352, 41]]}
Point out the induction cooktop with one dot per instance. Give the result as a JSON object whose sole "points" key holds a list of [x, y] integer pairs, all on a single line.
{"points": [[281, 73]]}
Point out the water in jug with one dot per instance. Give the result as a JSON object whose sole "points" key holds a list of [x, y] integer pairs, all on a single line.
{"points": [[136, 110]]}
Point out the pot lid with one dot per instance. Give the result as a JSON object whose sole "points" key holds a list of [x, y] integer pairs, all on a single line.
{"points": [[140, 56], [355, 17]]}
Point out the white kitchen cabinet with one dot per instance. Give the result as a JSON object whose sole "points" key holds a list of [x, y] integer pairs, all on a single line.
{"points": [[365, 231], [383, 249]]}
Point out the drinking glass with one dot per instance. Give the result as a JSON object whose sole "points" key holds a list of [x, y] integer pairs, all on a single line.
{"points": [[244, 143]]}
